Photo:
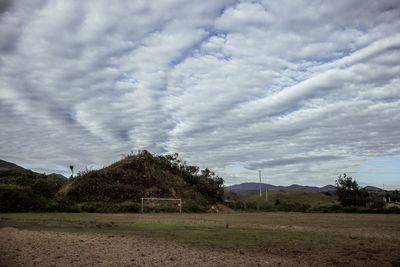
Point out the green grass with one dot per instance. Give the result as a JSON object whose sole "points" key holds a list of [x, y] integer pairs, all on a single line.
{"points": [[372, 236], [314, 199]]}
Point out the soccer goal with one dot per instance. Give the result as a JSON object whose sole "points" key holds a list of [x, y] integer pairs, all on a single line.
{"points": [[154, 200]]}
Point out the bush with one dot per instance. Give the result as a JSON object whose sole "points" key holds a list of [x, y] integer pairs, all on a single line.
{"points": [[67, 206], [377, 203], [302, 207], [326, 209], [106, 207], [24, 190], [349, 193], [239, 205], [14, 198], [335, 208], [98, 207], [394, 210], [192, 206], [131, 207], [353, 209]]}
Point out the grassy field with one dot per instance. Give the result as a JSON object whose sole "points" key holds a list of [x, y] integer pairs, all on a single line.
{"points": [[312, 199], [355, 239]]}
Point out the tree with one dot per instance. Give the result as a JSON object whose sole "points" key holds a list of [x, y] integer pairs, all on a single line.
{"points": [[349, 193], [72, 170]]}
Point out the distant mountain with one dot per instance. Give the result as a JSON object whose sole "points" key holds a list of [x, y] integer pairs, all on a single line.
{"points": [[328, 188], [249, 189], [373, 188], [255, 186], [58, 175], [5, 165]]}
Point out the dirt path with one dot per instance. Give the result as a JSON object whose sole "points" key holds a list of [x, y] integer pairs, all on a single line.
{"points": [[48, 248]]}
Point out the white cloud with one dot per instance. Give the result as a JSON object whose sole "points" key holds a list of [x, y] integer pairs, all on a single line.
{"points": [[307, 89]]}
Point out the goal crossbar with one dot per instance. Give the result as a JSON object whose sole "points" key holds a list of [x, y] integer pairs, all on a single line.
{"points": [[157, 198]]}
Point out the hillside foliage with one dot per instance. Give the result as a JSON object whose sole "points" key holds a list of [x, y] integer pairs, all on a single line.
{"points": [[146, 175], [24, 190], [349, 193], [285, 200]]}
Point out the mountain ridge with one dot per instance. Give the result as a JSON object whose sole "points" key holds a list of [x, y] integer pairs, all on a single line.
{"points": [[270, 187], [248, 189], [5, 166]]}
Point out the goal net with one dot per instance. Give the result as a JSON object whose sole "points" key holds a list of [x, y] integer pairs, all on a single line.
{"points": [[161, 204]]}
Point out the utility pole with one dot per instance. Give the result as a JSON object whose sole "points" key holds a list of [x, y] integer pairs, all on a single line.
{"points": [[266, 191], [259, 174]]}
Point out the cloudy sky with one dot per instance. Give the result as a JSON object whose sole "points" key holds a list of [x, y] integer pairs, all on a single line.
{"points": [[302, 90]]}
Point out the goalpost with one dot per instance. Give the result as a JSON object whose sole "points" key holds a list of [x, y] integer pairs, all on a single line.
{"points": [[167, 199]]}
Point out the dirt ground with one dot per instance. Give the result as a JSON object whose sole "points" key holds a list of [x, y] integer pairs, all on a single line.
{"points": [[48, 248]]}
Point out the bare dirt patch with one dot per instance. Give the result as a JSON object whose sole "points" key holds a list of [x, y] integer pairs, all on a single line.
{"points": [[266, 239], [48, 248]]}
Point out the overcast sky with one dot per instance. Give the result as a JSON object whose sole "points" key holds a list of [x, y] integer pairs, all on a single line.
{"points": [[302, 90]]}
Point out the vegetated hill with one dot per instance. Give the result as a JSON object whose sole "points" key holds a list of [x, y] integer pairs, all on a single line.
{"points": [[5, 165], [25, 190], [327, 188], [291, 200], [249, 189], [58, 175], [143, 176], [373, 189]]}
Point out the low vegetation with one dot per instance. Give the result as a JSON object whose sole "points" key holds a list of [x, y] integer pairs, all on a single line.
{"points": [[348, 197], [144, 175], [119, 188], [349, 193], [309, 238], [24, 190], [116, 188], [288, 201]]}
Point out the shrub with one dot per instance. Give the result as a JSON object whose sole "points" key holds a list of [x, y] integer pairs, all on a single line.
{"points": [[335, 208], [67, 206], [24, 190], [394, 210], [349, 193], [109, 207], [192, 206], [351, 209], [14, 198], [377, 203]]}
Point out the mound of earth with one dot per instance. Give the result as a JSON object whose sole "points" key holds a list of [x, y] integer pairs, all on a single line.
{"points": [[143, 176]]}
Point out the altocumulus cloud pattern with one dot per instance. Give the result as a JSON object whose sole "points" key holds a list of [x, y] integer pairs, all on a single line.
{"points": [[303, 90]]}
